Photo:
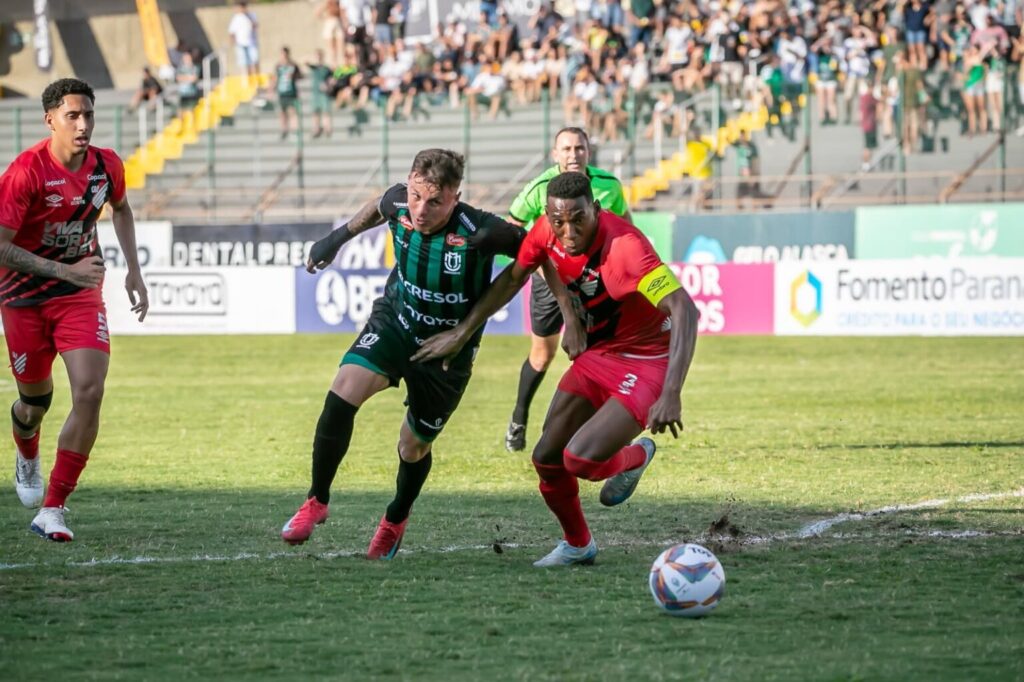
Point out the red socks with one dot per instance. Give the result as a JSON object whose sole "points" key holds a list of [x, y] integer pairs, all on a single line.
{"points": [[629, 457], [561, 493], [64, 477], [28, 447]]}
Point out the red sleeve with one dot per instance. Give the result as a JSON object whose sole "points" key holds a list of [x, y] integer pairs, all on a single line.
{"points": [[116, 169], [630, 257], [533, 251], [17, 190]]}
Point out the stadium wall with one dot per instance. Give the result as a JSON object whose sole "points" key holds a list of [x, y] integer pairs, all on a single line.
{"points": [[250, 278]]}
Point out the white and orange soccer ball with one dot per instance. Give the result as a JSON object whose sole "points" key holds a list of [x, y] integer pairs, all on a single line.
{"points": [[687, 580]]}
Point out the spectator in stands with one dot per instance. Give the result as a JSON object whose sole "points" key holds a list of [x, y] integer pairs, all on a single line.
{"points": [[333, 28], [244, 32], [868, 106], [488, 88], [284, 81], [187, 77], [748, 167], [382, 22], [319, 82], [973, 70], [917, 17], [150, 90]]}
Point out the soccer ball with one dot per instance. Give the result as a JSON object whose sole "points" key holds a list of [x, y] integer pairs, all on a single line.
{"points": [[687, 580]]}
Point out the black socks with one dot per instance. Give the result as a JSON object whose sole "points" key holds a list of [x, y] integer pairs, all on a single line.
{"points": [[333, 433], [411, 476], [529, 381]]}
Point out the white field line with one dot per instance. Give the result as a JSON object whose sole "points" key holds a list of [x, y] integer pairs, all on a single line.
{"points": [[815, 529]]}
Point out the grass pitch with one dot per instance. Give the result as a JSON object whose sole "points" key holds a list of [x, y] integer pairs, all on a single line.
{"points": [[177, 569]]}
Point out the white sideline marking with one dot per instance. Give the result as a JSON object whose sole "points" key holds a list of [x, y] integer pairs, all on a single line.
{"points": [[810, 530]]}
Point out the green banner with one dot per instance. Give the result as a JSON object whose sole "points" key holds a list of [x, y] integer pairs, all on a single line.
{"points": [[657, 227], [949, 230]]}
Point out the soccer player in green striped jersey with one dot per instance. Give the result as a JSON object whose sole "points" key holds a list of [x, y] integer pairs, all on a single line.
{"points": [[571, 153], [444, 253]]}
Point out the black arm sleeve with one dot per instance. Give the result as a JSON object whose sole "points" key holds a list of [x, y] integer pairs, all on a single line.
{"points": [[396, 197], [496, 236]]}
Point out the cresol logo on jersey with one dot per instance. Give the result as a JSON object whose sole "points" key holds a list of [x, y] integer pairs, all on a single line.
{"points": [[969, 296], [341, 300], [732, 298]]}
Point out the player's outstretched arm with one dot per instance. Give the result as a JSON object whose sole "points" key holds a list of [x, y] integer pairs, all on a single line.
{"points": [[448, 344], [86, 273], [574, 338], [667, 412], [323, 252], [124, 228]]}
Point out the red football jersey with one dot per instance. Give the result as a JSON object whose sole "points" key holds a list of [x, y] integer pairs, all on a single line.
{"points": [[617, 317], [54, 213]]}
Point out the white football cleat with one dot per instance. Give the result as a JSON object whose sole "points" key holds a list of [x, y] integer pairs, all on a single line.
{"points": [[28, 480], [565, 554], [49, 523], [620, 487]]}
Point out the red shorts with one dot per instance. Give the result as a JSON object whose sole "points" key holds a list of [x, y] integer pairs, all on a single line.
{"points": [[634, 382], [36, 333]]}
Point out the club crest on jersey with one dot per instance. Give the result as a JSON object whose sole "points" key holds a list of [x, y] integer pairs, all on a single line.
{"points": [[405, 221], [453, 263], [99, 195], [452, 239], [367, 340], [54, 200], [589, 287]]}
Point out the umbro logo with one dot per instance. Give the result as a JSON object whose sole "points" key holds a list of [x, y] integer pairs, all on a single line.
{"points": [[19, 361], [54, 200], [655, 284]]}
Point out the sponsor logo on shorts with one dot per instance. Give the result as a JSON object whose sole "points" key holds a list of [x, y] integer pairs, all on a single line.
{"points": [[367, 340], [19, 361], [54, 200], [102, 331], [628, 384], [436, 426], [452, 263], [455, 240]]}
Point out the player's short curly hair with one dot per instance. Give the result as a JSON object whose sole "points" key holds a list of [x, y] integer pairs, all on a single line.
{"points": [[570, 186], [56, 91], [439, 167]]}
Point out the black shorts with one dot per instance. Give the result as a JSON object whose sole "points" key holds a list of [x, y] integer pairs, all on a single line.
{"points": [[870, 139], [432, 394], [545, 315]]}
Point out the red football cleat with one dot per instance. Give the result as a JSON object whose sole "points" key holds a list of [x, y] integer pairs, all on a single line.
{"points": [[386, 540], [300, 527]]}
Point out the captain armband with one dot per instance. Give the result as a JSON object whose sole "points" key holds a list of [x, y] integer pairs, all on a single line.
{"points": [[657, 284]]}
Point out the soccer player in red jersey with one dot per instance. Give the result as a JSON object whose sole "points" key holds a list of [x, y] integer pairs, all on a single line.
{"points": [[640, 330], [51, 278]]}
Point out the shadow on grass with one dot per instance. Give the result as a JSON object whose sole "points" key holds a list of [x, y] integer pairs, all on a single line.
{"points": [[181, 524]]}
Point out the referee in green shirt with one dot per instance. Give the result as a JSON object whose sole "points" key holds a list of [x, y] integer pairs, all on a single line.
{"points": [[571, 153]]}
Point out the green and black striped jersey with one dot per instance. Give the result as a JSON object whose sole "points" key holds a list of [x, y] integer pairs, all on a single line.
{"points": [[439, 277]]}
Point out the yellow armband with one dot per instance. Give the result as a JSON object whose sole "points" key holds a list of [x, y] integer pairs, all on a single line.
{"points": [[657, 284]]}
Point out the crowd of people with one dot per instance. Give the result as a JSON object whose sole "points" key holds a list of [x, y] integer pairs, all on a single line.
{"points": [[894, 67]]}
